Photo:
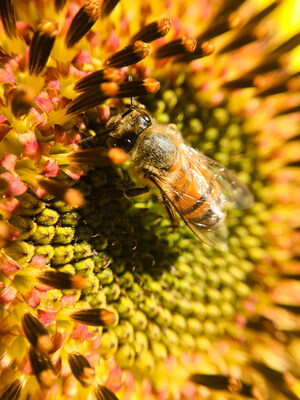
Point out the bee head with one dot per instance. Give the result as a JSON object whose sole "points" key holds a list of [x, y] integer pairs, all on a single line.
{"points": [[125, 129]]}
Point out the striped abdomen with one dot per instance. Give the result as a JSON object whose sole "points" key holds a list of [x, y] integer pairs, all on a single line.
{"points": [[196, 194]]}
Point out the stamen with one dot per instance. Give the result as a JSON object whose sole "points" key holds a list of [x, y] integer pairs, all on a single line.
{"points": [[99, 156], [241, 39], [289, 307], [103, 393], [239, 83], [257, 18], [41, 46], [278, 380], [94, 317], [37, 334], [99, 94], [59, 4], [223, 382], [291, 110], [95, 78], [108, 6], [216, 29], [130, 55], [82, 22], [21, 100], [42, 368], [287, 46], [201, 50], [228, 6], [8, 17], [13, 391], [70, 196], [177, 47], [81, 369], [153, 31], [62, 280]]}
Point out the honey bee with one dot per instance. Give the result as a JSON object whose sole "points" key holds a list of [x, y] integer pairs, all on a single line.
{"points": [[190, 183]]}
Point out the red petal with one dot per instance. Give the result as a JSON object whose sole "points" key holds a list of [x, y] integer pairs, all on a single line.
{"points": [[44, 102], [50, 169]]}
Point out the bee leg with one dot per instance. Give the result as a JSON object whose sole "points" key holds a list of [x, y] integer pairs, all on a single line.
{"points": [[135, 191], [170, 212]]}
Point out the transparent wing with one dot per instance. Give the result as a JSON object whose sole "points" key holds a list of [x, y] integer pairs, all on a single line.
{"points": [[213, 237], [232, 188]]}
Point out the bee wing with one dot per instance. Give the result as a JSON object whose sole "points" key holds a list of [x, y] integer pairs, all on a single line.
{"points": [[213, 237], [232, 188]]}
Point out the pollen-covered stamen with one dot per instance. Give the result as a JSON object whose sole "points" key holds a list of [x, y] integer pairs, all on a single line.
{"points": [[99, 156], [222, 25], [130, 55], [86, 100], [42, 368], [153, 31], [138, 87], [59, 4], [228, 383], [99, 94], [81, 369], [103, 393], [228, 6], [21, 100], [280, 87], [13, 391], [257, 18], [290, 110], [286, 46], [41, 46], [241, 39], [276, 379], [62, 280], [82, 22], [8, 17], [37, 334], [177, 47], [94, 317], [70, 196], [201, 50], [98, 77], [107, 7]]}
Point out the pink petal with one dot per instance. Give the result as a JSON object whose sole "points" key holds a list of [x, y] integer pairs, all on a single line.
{"points": [[6, 76], [81, 333], [33, 299], [67, 301], [16, 187], [50, 168], [114, 380], [44, 102], [9, 161], [38, 262], [47, 317], [33, 150], [9, 206], [8, 295]]}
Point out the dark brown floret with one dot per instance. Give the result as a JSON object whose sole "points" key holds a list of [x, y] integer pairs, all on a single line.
{"points": [[36, 333], [94, 317], [8, 17], [82, 22], [81, 369], [177, 47], [41, 46], [98, 77], [153, 31], [108, 6], [62, 280], [103, 393], [130, 55]]}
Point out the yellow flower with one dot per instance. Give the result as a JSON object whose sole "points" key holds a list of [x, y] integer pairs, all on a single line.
{"points": [[100, 296]]}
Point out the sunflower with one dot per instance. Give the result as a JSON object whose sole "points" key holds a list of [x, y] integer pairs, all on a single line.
{"points": [[100, 297]]}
